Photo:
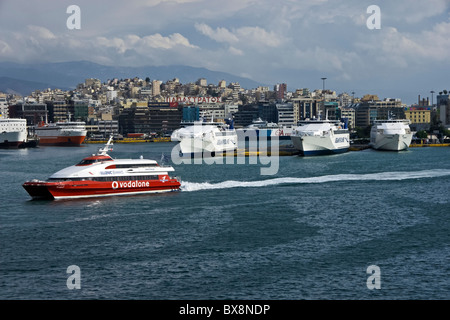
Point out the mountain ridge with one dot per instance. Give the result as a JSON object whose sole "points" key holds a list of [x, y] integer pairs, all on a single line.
{"points": [[68, 74]]}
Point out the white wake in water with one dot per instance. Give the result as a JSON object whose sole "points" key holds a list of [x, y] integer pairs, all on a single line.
{"points": [[382, 176]]}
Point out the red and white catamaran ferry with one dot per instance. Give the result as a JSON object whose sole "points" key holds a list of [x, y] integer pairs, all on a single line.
{"points": [[101, 175]]}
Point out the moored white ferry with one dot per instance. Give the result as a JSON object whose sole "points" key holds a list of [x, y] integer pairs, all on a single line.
{"points": [[211, 138], [13, 132], [269, 129], [101, 175], [320, 137], [392, 135], [70, 133]]}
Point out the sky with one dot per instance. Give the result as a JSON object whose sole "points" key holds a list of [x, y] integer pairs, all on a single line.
{"points": [[296, 42]]}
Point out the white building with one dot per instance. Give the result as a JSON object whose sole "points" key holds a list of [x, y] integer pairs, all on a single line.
{"points": [[285, 114], [4, 111]]}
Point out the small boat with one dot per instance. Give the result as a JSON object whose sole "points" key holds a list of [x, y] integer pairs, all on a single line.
{"points": [[101, 175]]}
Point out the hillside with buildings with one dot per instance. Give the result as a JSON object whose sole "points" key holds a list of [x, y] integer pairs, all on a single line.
{"points": [[151, 106]]}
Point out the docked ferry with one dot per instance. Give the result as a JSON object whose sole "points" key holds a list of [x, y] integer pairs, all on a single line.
{"points": [[213, 138], [392, 135], [13, 132], [101, 175], [269, 129], [320, 137], [70, 133]]}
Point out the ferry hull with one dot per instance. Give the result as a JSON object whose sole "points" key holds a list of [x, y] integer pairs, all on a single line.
{"points": [[317, 145], [198, 146], [392, 142], [10, 144], [61, 140], [88, 189], [12, 139]]}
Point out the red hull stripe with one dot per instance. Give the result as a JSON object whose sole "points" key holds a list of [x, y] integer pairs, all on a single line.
{"points": [[74, 140], [83, 189]]}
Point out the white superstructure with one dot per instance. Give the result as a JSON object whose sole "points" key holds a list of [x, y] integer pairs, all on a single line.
{"points": [[393, 135], [200, 138], [13, 132], [61, 133], [317, 137], [270, 129]]}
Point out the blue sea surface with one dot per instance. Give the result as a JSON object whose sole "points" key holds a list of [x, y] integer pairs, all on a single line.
{"points": [[310, 231]]}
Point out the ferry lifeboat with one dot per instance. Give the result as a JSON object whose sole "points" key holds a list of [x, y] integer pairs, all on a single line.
{"points": [[101, 175]]}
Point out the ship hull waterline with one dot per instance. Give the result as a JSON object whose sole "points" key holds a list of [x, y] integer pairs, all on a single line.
{"points": [[316, 146], [394, 142], [87, 189], [62, 141]]}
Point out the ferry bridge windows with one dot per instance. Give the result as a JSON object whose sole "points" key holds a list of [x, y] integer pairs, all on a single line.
{"points": [[86, 162], [127, 178], [128, 166], [107, 179]]}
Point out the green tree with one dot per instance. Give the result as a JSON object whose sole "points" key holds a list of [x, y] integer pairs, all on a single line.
{"points": [[445, 132], [363, 132], [422, 134]]}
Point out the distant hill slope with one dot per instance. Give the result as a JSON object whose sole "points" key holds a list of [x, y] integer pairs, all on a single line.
{"points": [[23, 87], [22, 77]]}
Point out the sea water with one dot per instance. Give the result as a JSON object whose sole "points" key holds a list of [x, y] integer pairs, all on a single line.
{"points": [[314, 230]]}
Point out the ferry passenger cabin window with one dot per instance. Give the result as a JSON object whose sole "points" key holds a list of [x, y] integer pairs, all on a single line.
{"points": [[136, 165], [88, 161]]}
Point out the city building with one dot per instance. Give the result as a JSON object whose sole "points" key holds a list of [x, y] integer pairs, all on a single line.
{"points": [[34, 113], [285, 114], [91, 82], [280, 91], [4, 107], [245, 115], [156, 88], [135, 119], [305, 107], [201, 82], [164, 118], [267, 111], [191, 113], [348, 115], [59, 110], [82, 110], [102, 128], [443, 104], [222, 84], [420, 118], [369, 110]]}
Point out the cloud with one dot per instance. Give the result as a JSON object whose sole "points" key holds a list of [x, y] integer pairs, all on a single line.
{"points": [[158, 41], [391, 47], [40, 32], [155, 41], [244, 36], [235, 51], [294, 40], [5, 49], [219, 35], [414, 11]]}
